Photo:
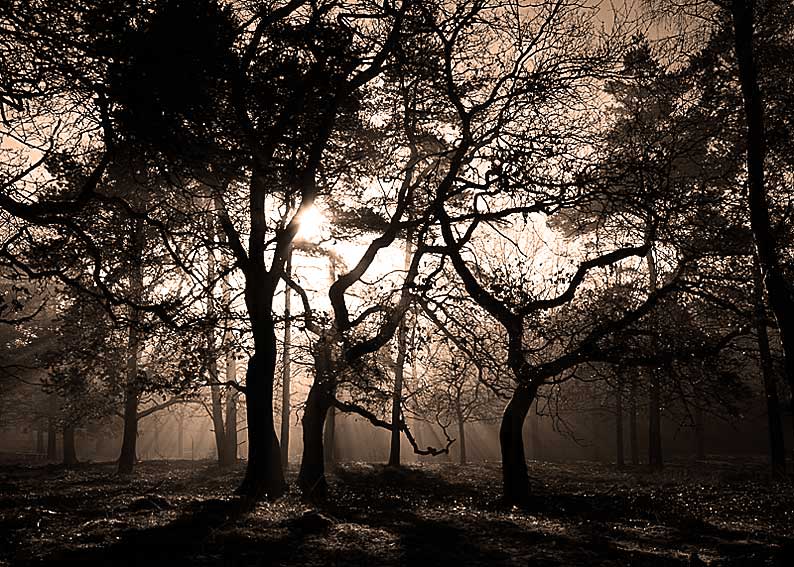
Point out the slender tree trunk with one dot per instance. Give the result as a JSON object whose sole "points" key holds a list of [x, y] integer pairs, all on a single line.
{"points": [[399, 368], [128, 454], [218, 423], [228, 455], [515, 479], [461, 432], [777, 450], [51, 430], [230, 446], [286, 371], [700, 434], [619, 451], [180, 436], [654, 390], [69, 449], [311, 477], [40, 438], [779, 292], [634, 441], [216, 395], [654, 421]]}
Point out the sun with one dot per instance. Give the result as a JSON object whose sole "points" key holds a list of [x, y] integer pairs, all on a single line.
{"points": [[312, 225]]}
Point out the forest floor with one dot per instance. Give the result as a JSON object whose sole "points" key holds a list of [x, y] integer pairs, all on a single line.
{"points": [[174, 513]]}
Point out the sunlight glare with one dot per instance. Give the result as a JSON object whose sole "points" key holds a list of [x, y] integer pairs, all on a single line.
{"points": [[313, 225]]}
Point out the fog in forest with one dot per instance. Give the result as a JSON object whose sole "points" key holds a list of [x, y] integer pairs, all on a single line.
{"points": [[344, 282]]}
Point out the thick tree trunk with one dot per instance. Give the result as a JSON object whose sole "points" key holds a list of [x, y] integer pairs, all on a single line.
{"points": [[515, 479], [777, 450], [311, 477], [634, 440], [263, 474], [619, 451], [779, 292], [69, 448], [128, 455], [286, 371]]}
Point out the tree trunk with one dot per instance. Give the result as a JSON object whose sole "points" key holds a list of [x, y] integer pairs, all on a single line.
{"points": [[180, 436], [128, 454], [40, 438], [69, 450], [634, 441], [286, 370], [515, 479], [263, 474], [700, 434], [228, 455], [230, 445], [654, 421], [218, 423], [399, 369], [51, 430], [654, 390], [329, 439], [781, 298], [619, 452], [311, 477], [777, 450], [461, 432]]}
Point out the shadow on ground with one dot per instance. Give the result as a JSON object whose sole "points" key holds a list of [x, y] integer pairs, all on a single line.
{"points": [[420, 515]]}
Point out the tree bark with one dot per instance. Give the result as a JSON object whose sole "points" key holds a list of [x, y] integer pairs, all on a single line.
{"points": [[619, 450], [461, 432], [230, 444], [40, 438], [634, 441], [654, 389], [180, 436], [286, 370], [779, 293], [329, 439], [128, 454], [69, 448], [399, 369], [264, 475], [777, 450], [700, 434], [311, 477], [228, 455], [51, 432], [515, 479]]}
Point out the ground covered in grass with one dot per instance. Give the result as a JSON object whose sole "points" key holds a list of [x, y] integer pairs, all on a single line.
{"points": [[581, 514]]}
